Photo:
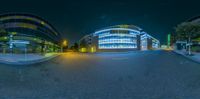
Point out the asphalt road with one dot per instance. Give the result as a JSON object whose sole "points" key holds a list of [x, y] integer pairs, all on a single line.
{"points": [[133, 75]]}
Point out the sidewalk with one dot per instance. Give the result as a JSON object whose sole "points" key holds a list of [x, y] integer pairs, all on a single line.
{"points": [[195, 57], [22, 59]]}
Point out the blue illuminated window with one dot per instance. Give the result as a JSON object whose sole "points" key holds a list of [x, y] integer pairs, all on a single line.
{"points": [[117, 40]]}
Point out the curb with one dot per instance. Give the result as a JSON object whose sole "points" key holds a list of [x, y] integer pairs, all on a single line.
{"points": [[28, 62], [190, 58]]}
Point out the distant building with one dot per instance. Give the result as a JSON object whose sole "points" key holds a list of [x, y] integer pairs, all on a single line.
{"points": [[26, 32], [119, 38], [85, 43]]}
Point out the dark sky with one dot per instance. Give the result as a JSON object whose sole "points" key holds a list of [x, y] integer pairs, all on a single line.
{"points": [[74, 19]]}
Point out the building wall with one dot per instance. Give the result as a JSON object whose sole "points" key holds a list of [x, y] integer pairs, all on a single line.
{"points": [[120, 39], [149, 43], [117, 39], [138, 42], [27, 32]]}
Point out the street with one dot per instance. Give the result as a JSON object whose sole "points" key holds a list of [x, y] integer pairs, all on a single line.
{"points": [[126, 75]]}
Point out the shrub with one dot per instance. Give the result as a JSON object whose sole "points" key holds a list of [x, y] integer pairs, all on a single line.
{"points": [[196, 49]]}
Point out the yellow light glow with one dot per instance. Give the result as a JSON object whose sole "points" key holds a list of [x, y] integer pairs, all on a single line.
{"points": [[65, 43], [5, 38], [14, 33], [93, 49], [42, 23], [83, 50]]}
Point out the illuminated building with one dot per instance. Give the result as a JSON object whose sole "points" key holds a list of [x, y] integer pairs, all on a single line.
{"points": [[119, 38], [26, 32]]}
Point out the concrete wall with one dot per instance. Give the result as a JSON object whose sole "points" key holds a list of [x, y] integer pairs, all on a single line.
{"points": [[149, 43]]}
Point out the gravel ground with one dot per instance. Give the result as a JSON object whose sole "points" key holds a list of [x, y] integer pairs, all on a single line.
{"points": [[133, 75]]}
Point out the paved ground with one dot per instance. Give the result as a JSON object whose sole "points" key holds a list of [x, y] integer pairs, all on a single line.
{"points": [[22, 59], [195, 56], [136, 75]]}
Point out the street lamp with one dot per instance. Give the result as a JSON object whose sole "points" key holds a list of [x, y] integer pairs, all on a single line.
{"points": [[64, 44]]}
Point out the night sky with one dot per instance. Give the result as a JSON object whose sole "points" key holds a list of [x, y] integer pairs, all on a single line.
{"points": [[74, 19]]}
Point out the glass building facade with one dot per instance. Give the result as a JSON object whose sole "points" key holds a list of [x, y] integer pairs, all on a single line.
{"points": [[118, 37], [148, 42], [19, 32], [144, 42]]}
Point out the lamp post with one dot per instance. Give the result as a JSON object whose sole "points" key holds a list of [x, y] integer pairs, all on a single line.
{"points": [[10, 43], [64, 44], [189, 45]]}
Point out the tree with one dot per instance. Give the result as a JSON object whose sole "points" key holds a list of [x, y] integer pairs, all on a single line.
{"points": [[76, 46], [83, 44], [42, 47], [3, 33], [187, 31], [72, 47]]}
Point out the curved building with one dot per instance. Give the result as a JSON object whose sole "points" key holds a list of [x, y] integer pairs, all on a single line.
{"points": [[28, 32], [118, 37], [122, 38]]}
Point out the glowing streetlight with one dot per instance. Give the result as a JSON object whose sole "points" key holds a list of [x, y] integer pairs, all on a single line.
{"points": [[65, 43]]}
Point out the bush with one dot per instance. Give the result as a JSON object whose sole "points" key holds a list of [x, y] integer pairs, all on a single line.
{"points": [[196, 49]]}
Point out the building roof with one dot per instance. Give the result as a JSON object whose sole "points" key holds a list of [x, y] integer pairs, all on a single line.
{"points": [[29, 15], [54, 34], [124, 26]]}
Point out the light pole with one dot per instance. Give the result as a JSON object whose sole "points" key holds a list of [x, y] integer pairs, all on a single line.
{"points": [[189, 45], [64, 44], [11, 43]]}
